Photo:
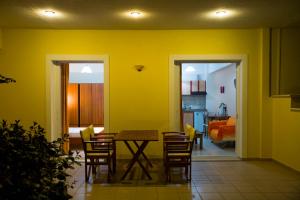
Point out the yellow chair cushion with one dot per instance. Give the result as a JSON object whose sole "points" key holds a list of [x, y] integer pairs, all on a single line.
{"points": [[86, 136], [91, 129], [189, 131], [178, 154]]}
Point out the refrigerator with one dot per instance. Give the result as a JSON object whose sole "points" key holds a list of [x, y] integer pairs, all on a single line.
{"points": [[199, 121]]}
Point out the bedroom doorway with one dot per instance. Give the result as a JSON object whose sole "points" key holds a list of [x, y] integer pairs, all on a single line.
{"points": [[85, 99], [55, 95]]}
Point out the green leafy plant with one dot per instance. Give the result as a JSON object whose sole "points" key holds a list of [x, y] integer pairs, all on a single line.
{"points": [[30, 166]]}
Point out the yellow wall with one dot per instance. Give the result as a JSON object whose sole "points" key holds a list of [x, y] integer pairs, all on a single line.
{"points": [[137, 99], [286, 133], [266, 101], [0, 38]]}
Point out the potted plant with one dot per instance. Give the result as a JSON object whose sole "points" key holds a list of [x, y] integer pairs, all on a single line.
{"points": [[30, 166]]}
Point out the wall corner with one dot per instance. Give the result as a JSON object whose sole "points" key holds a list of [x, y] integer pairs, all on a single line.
{"points": [[0, 38], [266, 101]]}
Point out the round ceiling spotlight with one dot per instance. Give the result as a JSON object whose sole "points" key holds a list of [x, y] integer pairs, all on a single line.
{"points": [[135, 14], [221, 13], [49, 13]]}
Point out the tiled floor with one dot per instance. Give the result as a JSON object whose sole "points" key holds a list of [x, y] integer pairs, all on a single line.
{"points": [[232, 180], [213, 150]]}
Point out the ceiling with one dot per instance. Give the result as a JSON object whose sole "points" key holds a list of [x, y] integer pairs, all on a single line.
{"points": [[200, 70], [157, 14]]}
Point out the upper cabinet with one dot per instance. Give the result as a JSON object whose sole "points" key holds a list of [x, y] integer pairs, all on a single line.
{"points": [[197, 87]]}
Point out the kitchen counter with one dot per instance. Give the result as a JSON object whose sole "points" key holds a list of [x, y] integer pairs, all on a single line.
{"points": [[195, 110]]}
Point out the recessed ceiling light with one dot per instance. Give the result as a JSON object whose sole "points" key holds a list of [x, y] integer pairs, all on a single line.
{"points": [[49, 13], [190, 69], [221, 13], [135, 14], [86, 70]]}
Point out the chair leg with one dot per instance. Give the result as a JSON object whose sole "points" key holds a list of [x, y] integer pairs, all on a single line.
{"points": [[186, 173], [166, 171], [190, 175], [85, 172], [169, 174], [114, 160], [109, 169], [93, 166], [89, 172]]}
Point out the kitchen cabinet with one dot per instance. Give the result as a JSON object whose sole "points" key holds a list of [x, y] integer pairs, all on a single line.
{"points": [[185, 88], [197, 87], [188, 118]]}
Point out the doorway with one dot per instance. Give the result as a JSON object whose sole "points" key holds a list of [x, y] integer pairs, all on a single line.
{"points": [[175, 105], [208, 99], [85, 99], [54, 92]]}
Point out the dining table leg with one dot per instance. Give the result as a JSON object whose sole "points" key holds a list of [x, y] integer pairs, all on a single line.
{"points": [[145, 157], [136, 158]]}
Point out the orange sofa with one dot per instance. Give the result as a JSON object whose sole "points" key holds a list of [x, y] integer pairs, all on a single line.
{"points": [[223, 130]]}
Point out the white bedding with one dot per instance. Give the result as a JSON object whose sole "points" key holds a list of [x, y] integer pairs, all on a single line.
{"points": [[74, 131]]}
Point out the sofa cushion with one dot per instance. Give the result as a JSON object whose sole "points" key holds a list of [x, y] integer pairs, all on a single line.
{"points": [[214, 134], [230, 121]]}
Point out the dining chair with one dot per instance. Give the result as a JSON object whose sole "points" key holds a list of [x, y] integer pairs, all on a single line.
{"points": [[177, 152], [112, 146], [97, 152]]}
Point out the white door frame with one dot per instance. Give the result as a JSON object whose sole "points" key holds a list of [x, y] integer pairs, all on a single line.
{"points": [[52, 124], [241, 85]]}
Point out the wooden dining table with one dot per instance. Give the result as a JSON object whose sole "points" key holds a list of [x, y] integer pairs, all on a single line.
{"points": [[140, 139]]}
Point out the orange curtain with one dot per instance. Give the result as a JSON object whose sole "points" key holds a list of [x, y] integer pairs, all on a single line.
{"points": [[64, 95]]}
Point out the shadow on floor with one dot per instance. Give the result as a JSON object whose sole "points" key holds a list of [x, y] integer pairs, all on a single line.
{"points": [[136, 176]]}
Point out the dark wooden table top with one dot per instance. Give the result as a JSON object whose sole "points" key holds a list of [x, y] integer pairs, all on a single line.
{"points": [[137, 135]]}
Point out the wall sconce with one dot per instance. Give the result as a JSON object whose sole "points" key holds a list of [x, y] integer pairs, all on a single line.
{"points": [[139, 68]]}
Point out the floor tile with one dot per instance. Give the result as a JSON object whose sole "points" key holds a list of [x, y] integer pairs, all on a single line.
{"points": [[232, 196], [211, 196], [275, 196], [207, 188], [226, 188], [253, 196], [246, 188], [249, 180]]}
